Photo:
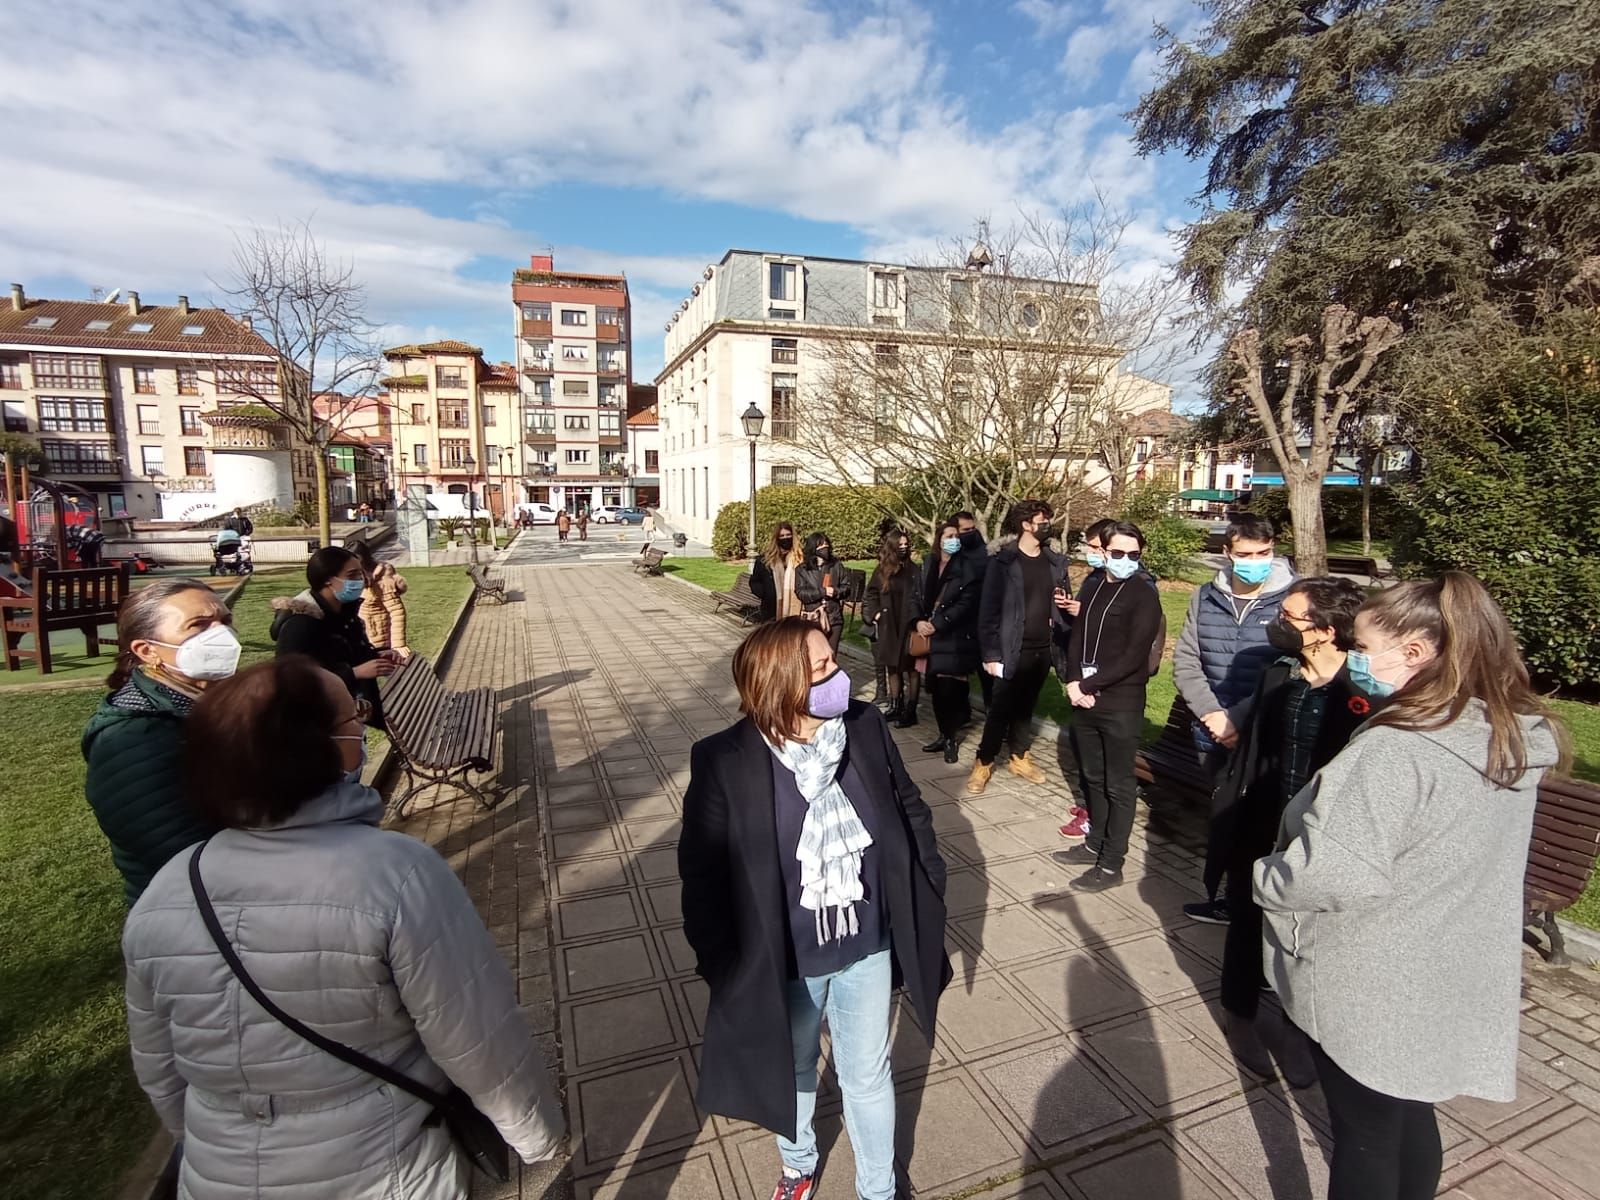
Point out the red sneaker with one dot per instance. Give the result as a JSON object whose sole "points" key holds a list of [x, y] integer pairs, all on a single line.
{"points": [[793, 1187], [1078, 810], [1077, 829]]}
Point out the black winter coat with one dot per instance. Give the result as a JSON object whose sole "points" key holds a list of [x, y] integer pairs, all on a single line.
{"points": [[894, 608], [808, 580], [1001, 615], [334, 636], [950, 600], [736, 913], [1248, 804]]}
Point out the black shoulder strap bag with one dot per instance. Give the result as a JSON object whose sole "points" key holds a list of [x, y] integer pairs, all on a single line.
{"points": [[475, 1135]]}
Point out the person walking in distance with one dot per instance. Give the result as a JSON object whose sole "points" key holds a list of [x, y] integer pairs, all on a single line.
{"points": [[563, 525], [1023, 595], [1108, 665], [583, 524], [952, 588], [1223, 649], [892, 605], [772, 578], [812, 888], [819, 584], [1394, 899]]}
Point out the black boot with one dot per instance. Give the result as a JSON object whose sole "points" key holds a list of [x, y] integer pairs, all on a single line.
{"points": [[908, 711], [880, 693], [951, 747], [892, 712], [936, 745]]}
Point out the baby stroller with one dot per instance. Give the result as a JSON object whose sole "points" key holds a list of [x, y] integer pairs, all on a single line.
{"points": [[230, 554]]}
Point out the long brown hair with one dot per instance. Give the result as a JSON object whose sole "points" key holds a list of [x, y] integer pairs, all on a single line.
{"points": [[772, 671], [139, 619], [889, 560], [775, 555], [1476, 658]]}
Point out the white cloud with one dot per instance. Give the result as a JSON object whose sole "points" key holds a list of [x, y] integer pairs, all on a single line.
{"points": [[136, 148]]}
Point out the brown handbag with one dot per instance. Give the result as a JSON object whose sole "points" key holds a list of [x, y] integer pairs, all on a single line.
{"points": [[920, 645]]}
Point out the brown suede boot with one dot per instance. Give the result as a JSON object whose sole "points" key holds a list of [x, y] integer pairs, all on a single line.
{"points": [[1024, 767], [979, 779]]}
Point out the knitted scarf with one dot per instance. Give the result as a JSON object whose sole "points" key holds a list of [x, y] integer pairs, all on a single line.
{"points": [[832, 837]]}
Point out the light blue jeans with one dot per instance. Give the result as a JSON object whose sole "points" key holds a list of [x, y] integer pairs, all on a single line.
{"points": [[856, 1001]]}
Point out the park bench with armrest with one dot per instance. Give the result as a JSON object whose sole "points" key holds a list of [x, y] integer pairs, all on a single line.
{"points": [[1351, 564], [83, 600], [739, 598], [438, 734], [650, 562], [1171, 763], [487, 586], [644, 550]]}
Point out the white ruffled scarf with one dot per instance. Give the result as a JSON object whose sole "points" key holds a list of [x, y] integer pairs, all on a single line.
{"points": [[832, 837]]}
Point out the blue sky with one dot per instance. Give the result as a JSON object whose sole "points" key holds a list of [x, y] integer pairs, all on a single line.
{"points": [[438, 144]]}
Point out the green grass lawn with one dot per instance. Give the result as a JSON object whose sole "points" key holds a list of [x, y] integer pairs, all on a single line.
{"points": [[76, 1119]]}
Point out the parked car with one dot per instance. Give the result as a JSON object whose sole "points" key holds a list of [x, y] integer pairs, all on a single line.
{"points": [[608, 514], [542, 514]]}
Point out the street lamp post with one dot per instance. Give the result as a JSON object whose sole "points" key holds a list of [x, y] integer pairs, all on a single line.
{"points": [[471, 466], [505, 495], [752, 420]]}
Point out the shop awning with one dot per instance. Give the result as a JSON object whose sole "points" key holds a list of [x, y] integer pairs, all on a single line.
{"points": [[1340, 480], [1220, 497]]}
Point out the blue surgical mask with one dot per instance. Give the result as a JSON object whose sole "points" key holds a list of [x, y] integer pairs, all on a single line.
{"points": [[1253, 570], [1122, 568], [951, 545], [1359, 664], [353, 775], [1095, 559], [349, 590]]}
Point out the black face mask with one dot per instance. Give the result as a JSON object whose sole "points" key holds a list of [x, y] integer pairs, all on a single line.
{"points": [[1285, 637], [786, 543], [905, 551], [971, 539], [824, 554]]}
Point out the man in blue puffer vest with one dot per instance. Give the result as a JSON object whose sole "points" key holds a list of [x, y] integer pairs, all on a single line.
{"points": [[1223, 650]]}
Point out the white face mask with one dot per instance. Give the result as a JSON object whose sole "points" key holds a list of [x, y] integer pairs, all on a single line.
{"points": [[208, 656], [353, 775]]}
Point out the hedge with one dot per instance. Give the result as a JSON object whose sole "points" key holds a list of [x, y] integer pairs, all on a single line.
{"points": [[850, 516]]}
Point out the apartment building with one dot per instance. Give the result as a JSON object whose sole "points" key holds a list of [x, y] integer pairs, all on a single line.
{"points": [[454, 422], [149, 408], [574, 350], [766, 328]]}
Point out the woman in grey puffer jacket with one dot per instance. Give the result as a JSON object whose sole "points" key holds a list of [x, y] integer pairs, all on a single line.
{"points": [[363, 934]]}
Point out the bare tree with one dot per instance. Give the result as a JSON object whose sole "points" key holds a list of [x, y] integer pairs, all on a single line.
{"points": [[1321, 381], [978, 377], [311, 311]]}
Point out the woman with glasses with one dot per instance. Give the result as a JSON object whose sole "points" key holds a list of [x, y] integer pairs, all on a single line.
{"points": [[363, 934], [324, 623], [1108, 665]]}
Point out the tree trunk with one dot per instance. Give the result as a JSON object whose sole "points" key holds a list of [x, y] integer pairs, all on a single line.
{"points": [[324, 516], [1305, 511], [1367, 460]]}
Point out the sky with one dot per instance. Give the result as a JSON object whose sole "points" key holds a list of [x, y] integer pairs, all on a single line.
{"points": [[436, 144]]}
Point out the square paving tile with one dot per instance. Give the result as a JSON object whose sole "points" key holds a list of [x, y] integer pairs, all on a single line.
{"points": [[583, 843], [982, 845], [699, 1173], [1259, 1149], [954, 1138], [579, 816], [1164, 1061], [1143, 1170], [1077, 991], [1496, 1122], [652, 832], [616, 1027], [1031, 879], [1160, 969], [573, 793], [1054, 1097], [1572, 1152], [979, 1017], [591, 915], [590, 875], [655, 804], [624, 786], [599, 966], [655, 866], [693, 994], [1007, 934], [646, 1108], [675, 951], [1499, 1180], [967, 889], [1089, 918]]}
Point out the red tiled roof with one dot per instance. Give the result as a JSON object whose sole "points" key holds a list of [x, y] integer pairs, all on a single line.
{"points": [[219, 332], [645, 416], [421, 349], [498, 375]]}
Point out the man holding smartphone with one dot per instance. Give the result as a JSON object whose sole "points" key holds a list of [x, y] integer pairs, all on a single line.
{"points": [[1024, 594]]}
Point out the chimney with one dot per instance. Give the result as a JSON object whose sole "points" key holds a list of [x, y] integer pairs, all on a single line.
{"points": [[183, 305], [249, 322], [19, 299], [542, 262], [133, 303]]}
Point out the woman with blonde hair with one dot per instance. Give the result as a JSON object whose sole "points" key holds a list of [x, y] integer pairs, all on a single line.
{"points": [[1394, 902], [772, 578], [812, 886]]}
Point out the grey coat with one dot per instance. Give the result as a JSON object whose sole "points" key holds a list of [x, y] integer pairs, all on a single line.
{"points": [[367, 936], [1394, 909]]}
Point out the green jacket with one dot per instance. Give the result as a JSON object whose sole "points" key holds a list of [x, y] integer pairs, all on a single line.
{"points": [[134, 747]]}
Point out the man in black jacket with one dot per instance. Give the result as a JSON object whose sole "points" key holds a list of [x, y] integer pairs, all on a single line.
{"points": [[1024, 592], [239, 523]]}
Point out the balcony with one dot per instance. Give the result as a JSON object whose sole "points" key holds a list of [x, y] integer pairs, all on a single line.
{"points": [[609, 439], [539, 437], [608, 366], [607, 333], [532, 327], [149, 428], [540, 365]]}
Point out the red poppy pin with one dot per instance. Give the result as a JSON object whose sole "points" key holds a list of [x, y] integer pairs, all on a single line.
{"points": [[1360, 706]]}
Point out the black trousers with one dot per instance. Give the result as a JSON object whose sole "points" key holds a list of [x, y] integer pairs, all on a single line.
{"points": [[1107, 743], [1242, 976], [1383, 1148], [952, 703], [1010, 716]]}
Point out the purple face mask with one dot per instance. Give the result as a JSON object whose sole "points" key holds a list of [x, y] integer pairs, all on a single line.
{"points": [[831, 697]]}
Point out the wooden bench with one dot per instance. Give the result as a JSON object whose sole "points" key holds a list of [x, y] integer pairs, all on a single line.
{"points": [[739, 598], [83, 600], [1561, 856], [1171, 763], [439, 735], [639, 561], [1351, 564], [487, 586], [650, 562]]}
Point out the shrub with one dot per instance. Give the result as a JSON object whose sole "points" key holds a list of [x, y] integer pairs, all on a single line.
{"points": [[305, 512], [1341, 510], [1171, 543], [273, 518], [850, 517], [450, 526]]}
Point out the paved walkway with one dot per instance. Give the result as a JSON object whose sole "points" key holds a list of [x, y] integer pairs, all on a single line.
{"points": [[1078, 1054]]}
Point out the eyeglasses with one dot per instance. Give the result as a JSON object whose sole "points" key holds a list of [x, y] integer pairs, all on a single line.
{"points": [[362, 712], [1133, 554]]}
